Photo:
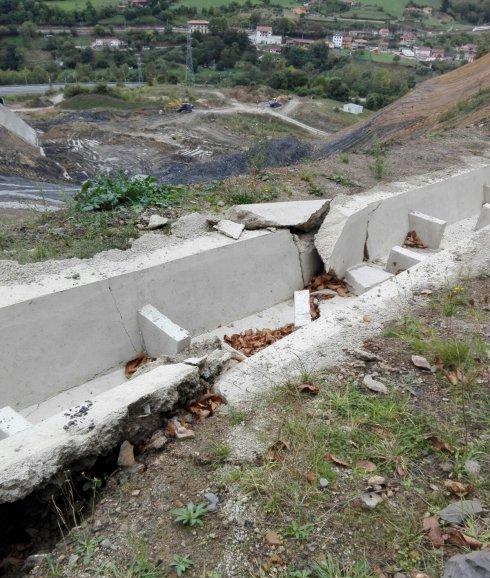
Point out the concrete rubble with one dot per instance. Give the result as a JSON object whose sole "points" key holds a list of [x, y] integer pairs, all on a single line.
{"points": [[229, 228], [301, 215]]}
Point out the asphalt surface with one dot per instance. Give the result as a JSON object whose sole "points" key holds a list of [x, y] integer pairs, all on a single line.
{"points": [[42, 88]]}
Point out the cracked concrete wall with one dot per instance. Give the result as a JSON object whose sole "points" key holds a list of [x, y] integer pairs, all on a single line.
{"points": [[59, 340], [369, 225]]}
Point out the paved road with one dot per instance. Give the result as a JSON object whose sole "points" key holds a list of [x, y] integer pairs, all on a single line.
{"points": [[42, 88], [19, 193]]}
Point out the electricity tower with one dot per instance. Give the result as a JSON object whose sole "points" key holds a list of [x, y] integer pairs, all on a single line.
{"points": [[189, 65]]}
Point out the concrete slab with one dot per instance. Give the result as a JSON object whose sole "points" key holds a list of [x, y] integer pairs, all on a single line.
{"points": [[161, 336], [363, 277], [486, 193], [33, 456], [302, 215], [309, 259], [429, 229], [401, 259], [484, 217], [302, 314], [11, 422], [229, 228]]}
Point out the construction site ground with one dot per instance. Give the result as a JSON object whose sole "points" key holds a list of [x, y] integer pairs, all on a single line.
{"points": [[322, 478]]}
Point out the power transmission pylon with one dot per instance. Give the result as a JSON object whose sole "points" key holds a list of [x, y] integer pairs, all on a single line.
{"points": [[189, 65]]}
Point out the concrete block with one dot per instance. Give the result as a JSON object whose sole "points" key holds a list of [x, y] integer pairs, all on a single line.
{"points": [[402, 258], [229, 228], [484, 218], [11, 422], [429, 229], [15, 124], [486, 193], [302, 315], [161, 336], [303, 215], [362, 277], [309, 259]]}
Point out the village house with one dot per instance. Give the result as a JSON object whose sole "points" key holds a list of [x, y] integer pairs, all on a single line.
{"points": [[263, 35], [407, 38], [384, 32], [201, 26], [468, 52], [438, 53], [111, 43], [300, 10], [337, 40], [423, 52], [359, 44], [346, 42]]}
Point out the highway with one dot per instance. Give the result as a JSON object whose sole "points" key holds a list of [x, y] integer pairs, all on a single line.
{"points": [[42, 88]]}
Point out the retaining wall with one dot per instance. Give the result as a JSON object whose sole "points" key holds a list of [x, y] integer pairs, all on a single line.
{"points": [[15, 124], [55, 341], [369, 225]]}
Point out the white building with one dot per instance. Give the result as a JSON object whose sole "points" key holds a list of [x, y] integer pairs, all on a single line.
{"points": [[201, 26], [353, 108], [337, 40], [263, 35], [113, 43]]}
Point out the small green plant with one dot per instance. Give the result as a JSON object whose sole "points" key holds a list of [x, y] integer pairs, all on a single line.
{"points": [[344, 158], [377, 168], [190, 514], [306, 177], [340, 179], [181, 564], [299, 574], [315, 190], [85, 547], [235, 416], [53, 568], [451, 300], [294, 530], [219, 452], [331, 568]]}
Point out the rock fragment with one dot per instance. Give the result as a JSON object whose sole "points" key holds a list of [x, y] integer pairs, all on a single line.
{"points": [[229, 228], [374, 385], [156, 222], [457, 512], [126, 455], [472, 565]]}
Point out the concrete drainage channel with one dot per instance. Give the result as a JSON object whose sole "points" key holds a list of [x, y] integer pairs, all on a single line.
{"points": [[66, 339]]}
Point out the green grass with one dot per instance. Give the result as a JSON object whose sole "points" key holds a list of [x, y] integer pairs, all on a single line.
{"points": [[391, 7], [71, 5], [327, 114], [100, 102], [210, 3], [257, 126]]}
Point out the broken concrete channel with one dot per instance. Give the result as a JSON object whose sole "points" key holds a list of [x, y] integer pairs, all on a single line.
{"points": [[256, 277]]}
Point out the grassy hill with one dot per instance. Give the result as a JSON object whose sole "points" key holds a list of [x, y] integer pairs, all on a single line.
{"points": [[378, 8]]}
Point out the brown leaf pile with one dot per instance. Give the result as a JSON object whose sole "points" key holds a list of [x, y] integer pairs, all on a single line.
{"points": [[413, 240], [253, 340], [131, 366], [328, 281], [205, 406], [448, 535]]}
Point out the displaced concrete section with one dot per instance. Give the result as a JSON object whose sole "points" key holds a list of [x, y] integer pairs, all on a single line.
{"points": [[15, 124], [161, 336], [302, 315], [429, 229], [229, 228], [127, 412], [484, 218], [401, 259], [361, 278], [301, 215], [11, 422], [369, 225]]}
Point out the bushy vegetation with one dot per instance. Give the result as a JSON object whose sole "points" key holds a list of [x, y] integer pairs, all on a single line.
{"points": [[106, 193]]}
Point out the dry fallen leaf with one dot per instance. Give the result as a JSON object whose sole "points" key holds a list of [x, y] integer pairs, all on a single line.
{"points": [[400, 467], [413, 240], [205, 405], [457, 538], [131, 366], [335, 460], [366, 465], [310, 476], [272, 538], [430, 525], [451, 376], [276, 452], [458, 488], [439, 445], [309, 388], [253, 340], [366, 318]]}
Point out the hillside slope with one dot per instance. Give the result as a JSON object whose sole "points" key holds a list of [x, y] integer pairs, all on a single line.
{"points": [[427, 107]]}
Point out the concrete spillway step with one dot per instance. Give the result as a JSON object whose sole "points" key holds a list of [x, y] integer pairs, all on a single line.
{"points": [[484, 218], [11, 422], [401, 259], [363, 277]]}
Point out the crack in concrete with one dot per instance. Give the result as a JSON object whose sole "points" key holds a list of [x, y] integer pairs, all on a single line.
{"points": [[121, 318], [368, 218]]}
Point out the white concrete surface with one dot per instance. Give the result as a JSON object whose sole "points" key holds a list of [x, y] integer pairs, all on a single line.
{"points": [[11, 422], [161, 336], [302, 215], [342, 326], [302, 314], [429, 229], [401, 259], [229, 228], [484, 217], [368, 225], [15, 124], [486, 193], [33, 456], [363, 277], [93, 328]]}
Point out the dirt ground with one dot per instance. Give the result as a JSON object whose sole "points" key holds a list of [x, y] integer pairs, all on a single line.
{"points": [[292, 471]]}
